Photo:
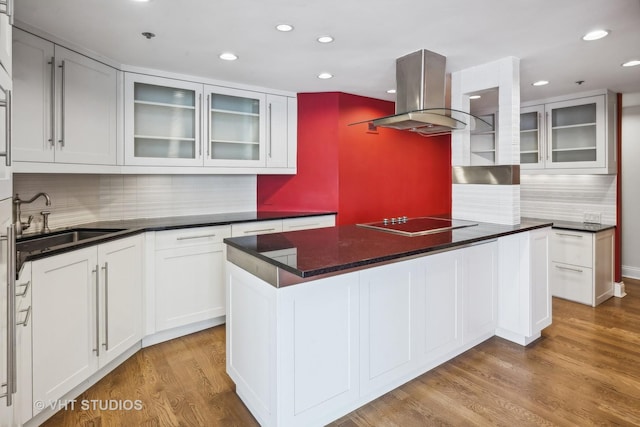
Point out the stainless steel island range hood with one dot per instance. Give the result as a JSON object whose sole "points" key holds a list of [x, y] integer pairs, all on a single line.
{"points": [[420, 98]]}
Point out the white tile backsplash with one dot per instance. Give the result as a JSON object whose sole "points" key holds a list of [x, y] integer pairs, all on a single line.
{"points": [[487, 203], [568, 197], [78, 199]]}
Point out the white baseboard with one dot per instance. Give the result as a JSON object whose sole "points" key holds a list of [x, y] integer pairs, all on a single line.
{"points": [[618, 289], [632, 272]]}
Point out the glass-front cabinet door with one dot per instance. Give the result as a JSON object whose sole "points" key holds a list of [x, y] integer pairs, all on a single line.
{"points": [[234, 127], [576, 134], [532, 137], [162, 121]]}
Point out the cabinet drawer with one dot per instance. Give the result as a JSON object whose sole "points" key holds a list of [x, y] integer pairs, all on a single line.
{"points": [[571, 247], [572, 283], [191, 236], [256, 227], [308, 222]]}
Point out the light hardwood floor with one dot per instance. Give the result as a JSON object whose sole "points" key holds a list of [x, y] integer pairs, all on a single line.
{"points": [[585, 370]]}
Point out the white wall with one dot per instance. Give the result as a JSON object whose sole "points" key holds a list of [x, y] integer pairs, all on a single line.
{"points": [[631, 185], [78, 199]]}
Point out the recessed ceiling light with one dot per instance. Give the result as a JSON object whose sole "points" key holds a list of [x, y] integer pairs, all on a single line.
{"points": [[284, 27], [475, 97], [391, 91], [540, 83], [325, 39], [325, 75], [141, 1], [595, 35], [631, 63], [228, 56]]}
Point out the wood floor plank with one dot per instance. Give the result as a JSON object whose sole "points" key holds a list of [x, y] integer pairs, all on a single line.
{"points": [[585, 370]]}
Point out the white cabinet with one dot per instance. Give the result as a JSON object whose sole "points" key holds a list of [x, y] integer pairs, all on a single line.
{"points": [[524, 296], [23, 410], [479, 290], [162, 121], [171, 122], [6, 106], [582, 265], [574, 135], [5, 36], [308, 222], [65, 105], [86, 311], [189, 285], [282, 225], [255, 228]]}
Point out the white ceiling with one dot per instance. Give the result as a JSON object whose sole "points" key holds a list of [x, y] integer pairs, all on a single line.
{"points": [[369, 36]]}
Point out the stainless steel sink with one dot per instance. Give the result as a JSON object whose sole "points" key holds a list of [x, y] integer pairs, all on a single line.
{"points": [[49, 241]]}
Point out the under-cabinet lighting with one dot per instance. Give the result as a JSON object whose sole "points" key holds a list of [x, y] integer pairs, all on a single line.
{"points": [[595, 35], [228, 56], [631, 63], [540, 83], [325, 75]]}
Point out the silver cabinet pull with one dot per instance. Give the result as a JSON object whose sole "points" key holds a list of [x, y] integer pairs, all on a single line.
{"points": [[106, 306], [570, 235], [97, 272], [26, 288], [11, 316], [199, 127], [259, 231], [26, 318], [7, 118], [269, 122], [52, 103], [61, 140], [208, 135], [569, 268], [539, 138], [305, 225], [202, 236], [549, 133]]}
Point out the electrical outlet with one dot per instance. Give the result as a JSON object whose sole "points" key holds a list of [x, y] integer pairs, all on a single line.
{"points": [[592, 217]]}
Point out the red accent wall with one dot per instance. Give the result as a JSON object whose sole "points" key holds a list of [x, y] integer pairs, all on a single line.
{"points": [[363, 175]]}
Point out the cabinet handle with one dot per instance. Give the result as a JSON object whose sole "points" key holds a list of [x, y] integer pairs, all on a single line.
{"points": [[195, 237], [97, 272], [580, 236], [7, 118], [11, 383], [548, 139], [26, 289], [270, 133], [62, 77], [539, 138], [208, 135], [259, 231], [569, 268], [25, 322], [106, 306], [200, 127], [52, 102], [305, 225]]}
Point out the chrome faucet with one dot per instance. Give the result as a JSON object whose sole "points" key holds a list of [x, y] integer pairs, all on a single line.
{"points": [[17, 202]]}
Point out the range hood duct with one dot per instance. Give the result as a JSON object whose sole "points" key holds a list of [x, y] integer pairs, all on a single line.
{"points": [[420, 98]]}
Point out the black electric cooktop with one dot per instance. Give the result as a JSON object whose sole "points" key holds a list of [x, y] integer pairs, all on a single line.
{"points": [[418, 226]]}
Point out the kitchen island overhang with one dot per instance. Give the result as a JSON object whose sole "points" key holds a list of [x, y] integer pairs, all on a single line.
{"points": [[320, 322]]}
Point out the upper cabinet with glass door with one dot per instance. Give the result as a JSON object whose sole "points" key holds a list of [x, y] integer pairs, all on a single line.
{"points": [[235, 127], [162, 121], [483, 141], [573, 136]]}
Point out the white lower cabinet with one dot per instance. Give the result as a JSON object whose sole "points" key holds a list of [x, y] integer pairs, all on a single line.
{"points": [[23, 405], [189, 284], [379, 328], [86, 311], [582, 265]]}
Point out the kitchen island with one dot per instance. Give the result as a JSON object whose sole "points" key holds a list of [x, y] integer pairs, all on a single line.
{"points": [[320, 322]]}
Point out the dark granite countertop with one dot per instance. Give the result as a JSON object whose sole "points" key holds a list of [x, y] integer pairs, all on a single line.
{"points": [[129, 227], [581, 226], [328, 250]]}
